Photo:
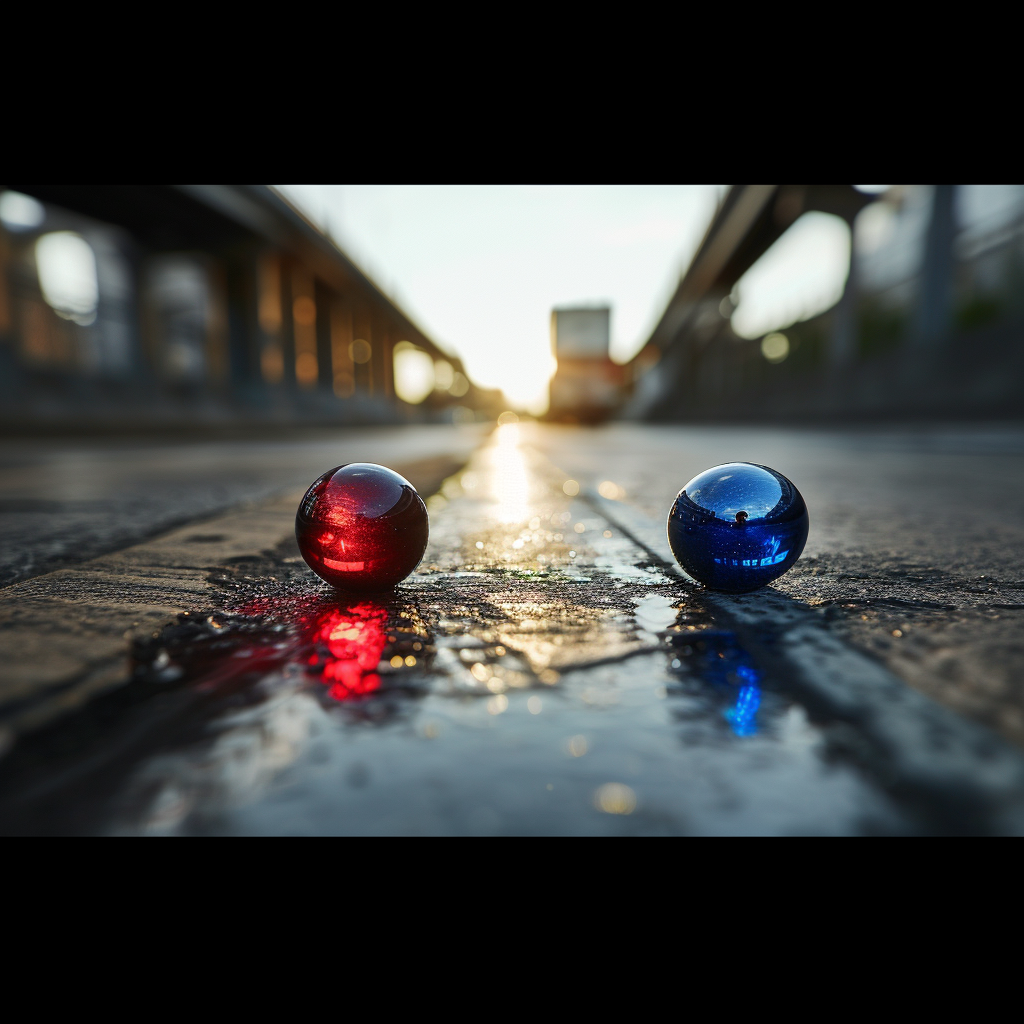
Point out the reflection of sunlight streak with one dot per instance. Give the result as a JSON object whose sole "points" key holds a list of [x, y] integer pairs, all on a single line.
{"points": [[510, 485]]}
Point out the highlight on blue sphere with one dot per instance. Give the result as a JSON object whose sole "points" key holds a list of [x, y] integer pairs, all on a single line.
{"points": [[737, 527]]}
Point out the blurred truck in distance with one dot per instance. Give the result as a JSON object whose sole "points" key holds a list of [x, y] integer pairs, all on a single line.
{"points": [[587, 385]]}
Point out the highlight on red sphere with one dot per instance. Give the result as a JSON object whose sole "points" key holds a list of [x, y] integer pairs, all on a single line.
{"points": [[361, 527]]}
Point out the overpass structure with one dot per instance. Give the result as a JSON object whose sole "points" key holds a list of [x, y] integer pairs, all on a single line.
{"points": [[209, 304], [929, 323], [692, 359]]}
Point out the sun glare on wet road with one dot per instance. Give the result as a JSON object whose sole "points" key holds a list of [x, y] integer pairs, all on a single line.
{"points": [[510, 480]]}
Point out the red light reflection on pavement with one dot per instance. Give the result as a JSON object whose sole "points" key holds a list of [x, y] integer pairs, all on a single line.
{"points": [[354, 638], [341, 645]]}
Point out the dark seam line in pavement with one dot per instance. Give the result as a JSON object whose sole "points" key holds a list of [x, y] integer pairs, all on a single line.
{"points": [[594, 503], [901, 602], [18, 706], [144, 721], [63, 562]]}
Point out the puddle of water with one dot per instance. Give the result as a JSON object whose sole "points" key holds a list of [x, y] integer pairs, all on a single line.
{"points": [[656, 612]]}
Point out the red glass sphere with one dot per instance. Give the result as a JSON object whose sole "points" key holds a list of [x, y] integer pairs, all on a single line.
{"points": [[361, 527]]}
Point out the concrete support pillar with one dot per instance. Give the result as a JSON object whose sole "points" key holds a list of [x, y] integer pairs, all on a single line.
{"points": [[386, 346], [9, 370], [324, 311], [115, 350], [287, 329], [342, 367], [304, 328], [372, 369], [842, 350], [218, 353], [362, 347], [935, 299], [270, 309], [240, 281]]}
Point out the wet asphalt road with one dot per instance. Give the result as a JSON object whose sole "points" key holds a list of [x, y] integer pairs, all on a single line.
{"points": [[561, 679]]}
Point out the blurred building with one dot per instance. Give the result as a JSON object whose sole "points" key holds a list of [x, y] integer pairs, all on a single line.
{"points": [[929, 321], [587, 385], [199, 305]]}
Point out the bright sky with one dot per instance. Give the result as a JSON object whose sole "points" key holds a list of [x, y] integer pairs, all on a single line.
{"points": [[479, 268], [801, 275]]}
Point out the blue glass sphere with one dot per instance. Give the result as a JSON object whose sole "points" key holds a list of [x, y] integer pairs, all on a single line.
{"points": [[737, 527]]}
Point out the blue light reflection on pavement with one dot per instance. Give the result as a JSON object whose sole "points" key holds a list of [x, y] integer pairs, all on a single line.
{"points": [[720, 662], [743, 713]]}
